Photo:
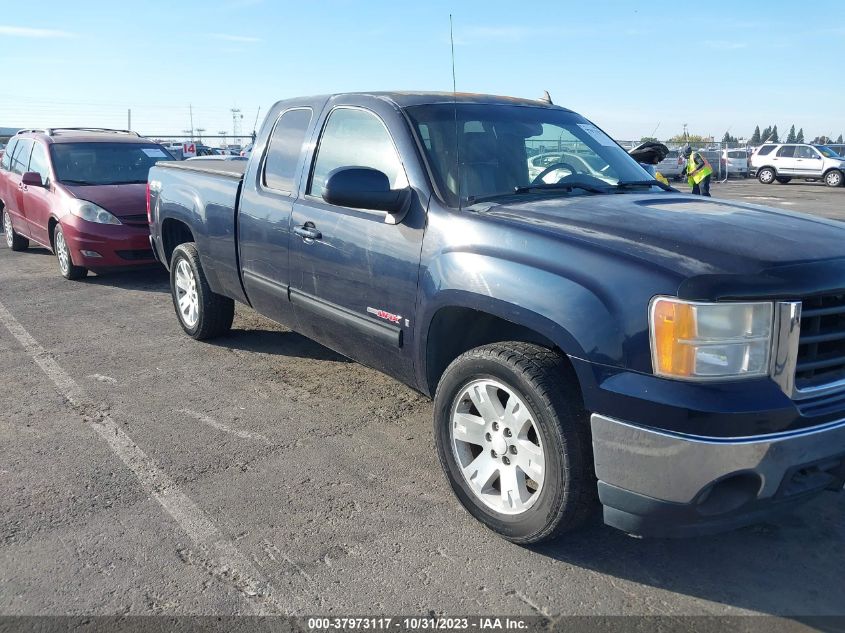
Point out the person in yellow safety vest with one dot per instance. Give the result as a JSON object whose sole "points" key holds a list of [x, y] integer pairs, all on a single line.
{"points": [[698, 172]]}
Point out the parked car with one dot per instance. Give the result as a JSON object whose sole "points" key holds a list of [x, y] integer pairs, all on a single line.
{"points": [[839, 149], [246, 151], [781, 162], [734, 162], [81, 194], [672, 165], [581, 338]]}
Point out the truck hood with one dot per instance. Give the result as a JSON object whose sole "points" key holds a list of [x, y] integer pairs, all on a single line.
{"points": [[119, 200], [688, 235]]}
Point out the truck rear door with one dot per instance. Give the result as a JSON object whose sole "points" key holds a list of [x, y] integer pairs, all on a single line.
{"points": [[355, 275], [267, 197]]}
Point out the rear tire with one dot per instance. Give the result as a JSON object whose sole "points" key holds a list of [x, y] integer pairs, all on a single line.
{"points": [[13, 240], [530, 413], [766, 175], [66, 267], [834, 178], [203, 314]]}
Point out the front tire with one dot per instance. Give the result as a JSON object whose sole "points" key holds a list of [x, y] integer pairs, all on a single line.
{"points": [[514, 442], [833, 178], [66, 267], [13, 240], [203, 314], [766, 175]]}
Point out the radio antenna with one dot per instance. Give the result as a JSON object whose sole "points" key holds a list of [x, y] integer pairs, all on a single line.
{"points": [[455, 110]]}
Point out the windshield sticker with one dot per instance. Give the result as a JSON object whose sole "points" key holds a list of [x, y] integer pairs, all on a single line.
{"points": [[154, 152], [597, 134]]}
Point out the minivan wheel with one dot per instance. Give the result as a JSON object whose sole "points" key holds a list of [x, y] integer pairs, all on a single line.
{"points": [[66, 267], [202, 313], [833, 178], [766, 175], [13, 240], [514, 442]]}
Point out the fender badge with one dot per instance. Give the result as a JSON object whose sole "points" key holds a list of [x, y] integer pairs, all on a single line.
{"points": [[383, 314]]}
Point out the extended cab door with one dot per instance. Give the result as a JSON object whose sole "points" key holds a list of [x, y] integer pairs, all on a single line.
{"points": [[355, 274], [808, 162], [269, 189]]}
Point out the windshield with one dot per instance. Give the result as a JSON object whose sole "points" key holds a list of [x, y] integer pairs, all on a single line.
{"points": [[105, 163], [827, 152], [502, 147]]}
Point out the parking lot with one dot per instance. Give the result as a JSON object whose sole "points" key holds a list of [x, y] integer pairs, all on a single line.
{"points": [[142, 472]]}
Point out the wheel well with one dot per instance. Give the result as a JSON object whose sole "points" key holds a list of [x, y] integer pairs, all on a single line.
{"points": [[454, 331], [173, 233], [51, 227]]}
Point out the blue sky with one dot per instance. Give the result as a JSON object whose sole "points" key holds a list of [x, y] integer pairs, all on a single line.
{"points": [[628, 66]]}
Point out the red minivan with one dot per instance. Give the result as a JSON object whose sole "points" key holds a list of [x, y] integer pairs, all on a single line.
{"points": [[80, 193]]}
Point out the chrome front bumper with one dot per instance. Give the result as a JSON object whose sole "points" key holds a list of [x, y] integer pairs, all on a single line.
{"points": [[658, 483]]}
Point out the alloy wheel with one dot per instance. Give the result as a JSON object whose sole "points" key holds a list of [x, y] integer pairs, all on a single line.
{"points": [[62, 253], [7, 229], [834, 179], [497, 445], [186, 293]]}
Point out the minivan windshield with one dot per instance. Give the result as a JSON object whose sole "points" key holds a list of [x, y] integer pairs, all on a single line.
{"points": [[482, 151], [103, 163], [827, 152]]}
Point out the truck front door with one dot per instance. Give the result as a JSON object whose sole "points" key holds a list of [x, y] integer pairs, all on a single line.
{"points": [[355, 275]]}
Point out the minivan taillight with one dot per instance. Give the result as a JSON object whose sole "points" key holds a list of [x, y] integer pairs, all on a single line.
{"points": [[149, 213]]}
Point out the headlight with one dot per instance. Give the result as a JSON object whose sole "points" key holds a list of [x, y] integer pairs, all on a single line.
{"points": [[92, 213], [705, 341]]}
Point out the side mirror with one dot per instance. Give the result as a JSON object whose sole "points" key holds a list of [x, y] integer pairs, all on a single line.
{"points": [[365, 188], [32, 179]]}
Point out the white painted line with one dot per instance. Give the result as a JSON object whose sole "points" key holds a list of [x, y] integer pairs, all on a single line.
{"points": [[100, 378], [217, 553], [244, 435]]}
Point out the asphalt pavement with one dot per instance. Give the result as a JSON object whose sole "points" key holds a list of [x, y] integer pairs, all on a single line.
{"points": [[142, 472]]}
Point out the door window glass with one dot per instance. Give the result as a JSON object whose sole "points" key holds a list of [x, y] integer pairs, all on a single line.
{"points": [[39, 162], [6, 164], [285, 148], [20, 161], [805, 151], [787, 151], [356, 138]]}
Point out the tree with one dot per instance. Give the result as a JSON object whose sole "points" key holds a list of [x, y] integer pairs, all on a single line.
{"points": [[790, 138], [766, 135], [821, 140], [727, 138], [691, 139], [799, 138], [839, 139], [755, 138], [647, 139], [775, 138]]}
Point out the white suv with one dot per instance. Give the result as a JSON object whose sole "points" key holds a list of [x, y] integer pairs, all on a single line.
{"points": [[782, 162]]}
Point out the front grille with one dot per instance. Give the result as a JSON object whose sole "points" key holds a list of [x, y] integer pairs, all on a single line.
{"points": [[821, 351], [136, 255], [138, 218]]}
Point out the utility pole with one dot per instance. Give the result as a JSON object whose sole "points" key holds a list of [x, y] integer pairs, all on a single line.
{"points": [[191, 112], [129, 119], [222, 134], [237, 117], [200, 130], [191, 132]]}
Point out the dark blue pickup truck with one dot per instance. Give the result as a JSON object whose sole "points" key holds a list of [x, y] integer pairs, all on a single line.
{"points": [[587, 334]]}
